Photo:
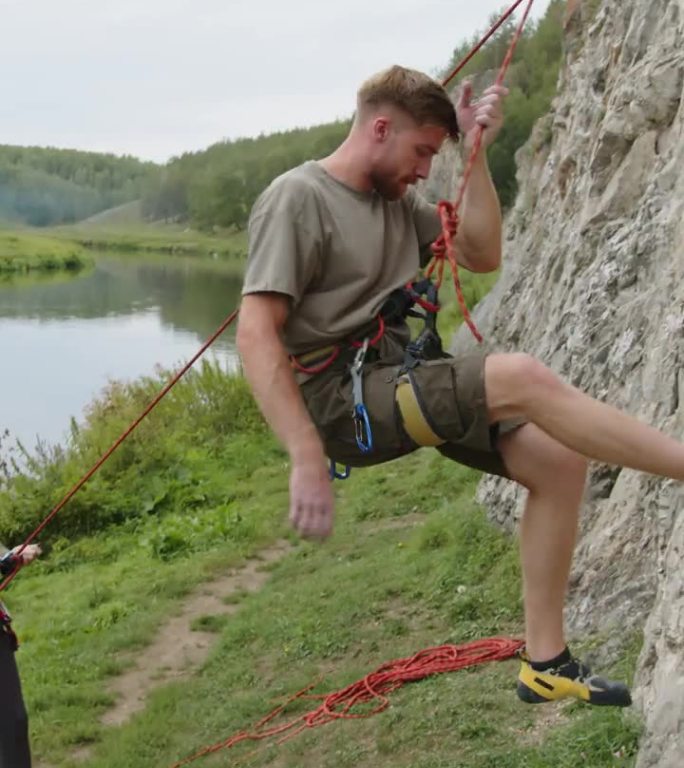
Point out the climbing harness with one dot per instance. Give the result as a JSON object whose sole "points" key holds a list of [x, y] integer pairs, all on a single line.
{"points": [[399, 305], [428, 344], [319, 360]]}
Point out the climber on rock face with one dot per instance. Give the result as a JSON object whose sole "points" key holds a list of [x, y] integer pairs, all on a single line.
{"points": [[323, 334]]}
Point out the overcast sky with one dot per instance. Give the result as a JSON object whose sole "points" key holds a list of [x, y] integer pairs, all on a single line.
{"points": [[155, 78]]}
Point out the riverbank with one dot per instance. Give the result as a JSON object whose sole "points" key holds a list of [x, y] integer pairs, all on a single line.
{"points": [[164, 239], [72, 248], [22, 252]]}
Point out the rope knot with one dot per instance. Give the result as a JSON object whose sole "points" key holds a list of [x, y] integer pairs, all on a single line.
{"points": [[438, 248], [450, 222], [449, 216]]}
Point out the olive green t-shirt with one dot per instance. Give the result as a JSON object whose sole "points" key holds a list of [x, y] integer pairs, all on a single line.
{"points": [[336, 252]]}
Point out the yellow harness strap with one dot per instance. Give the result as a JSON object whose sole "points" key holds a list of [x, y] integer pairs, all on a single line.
{"points": [[315, 356], [415, 423]]}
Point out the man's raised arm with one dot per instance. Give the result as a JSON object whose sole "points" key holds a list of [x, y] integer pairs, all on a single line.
{"points": [[479, 237]]}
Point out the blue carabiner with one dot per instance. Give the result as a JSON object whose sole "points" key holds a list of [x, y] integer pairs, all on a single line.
{"points": [[335, 475], [362, 424]]}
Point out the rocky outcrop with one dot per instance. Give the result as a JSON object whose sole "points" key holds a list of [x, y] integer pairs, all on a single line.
{"points": [[593, 285]]}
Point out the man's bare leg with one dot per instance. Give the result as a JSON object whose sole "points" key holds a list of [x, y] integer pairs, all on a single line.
{"points": [[547, 457], [555, 478], [517, 385]]}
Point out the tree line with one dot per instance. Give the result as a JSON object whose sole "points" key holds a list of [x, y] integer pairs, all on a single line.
{"points": [[46, 186], [217, 187], [531, 79]]}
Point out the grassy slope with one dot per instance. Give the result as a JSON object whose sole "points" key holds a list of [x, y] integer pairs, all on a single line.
{"points": [[167, 239], [123, 229], [28, 251]]}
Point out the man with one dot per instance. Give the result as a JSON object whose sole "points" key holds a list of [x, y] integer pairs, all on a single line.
{"points": [[330, 241], [14, 740]]}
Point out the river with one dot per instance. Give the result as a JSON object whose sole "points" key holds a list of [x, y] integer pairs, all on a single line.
{"points": [[63, 337]]}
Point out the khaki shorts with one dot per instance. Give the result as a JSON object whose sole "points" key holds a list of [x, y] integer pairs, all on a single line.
{"points": [[452, 392]]}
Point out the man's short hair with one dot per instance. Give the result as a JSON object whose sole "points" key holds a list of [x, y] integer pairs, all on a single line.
{"points": [[417, 94]]}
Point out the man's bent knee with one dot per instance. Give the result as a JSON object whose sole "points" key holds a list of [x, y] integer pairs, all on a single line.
{"points": [[513, 382], [537, 461]]}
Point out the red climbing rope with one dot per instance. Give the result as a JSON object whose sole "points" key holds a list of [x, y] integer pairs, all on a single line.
{"points": [[336, 350], [372, 690], [443, 248], [489, 34], [78, 485]]}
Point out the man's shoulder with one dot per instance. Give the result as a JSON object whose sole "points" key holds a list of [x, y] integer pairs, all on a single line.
{"points": [[303, 179], [292, 192]]}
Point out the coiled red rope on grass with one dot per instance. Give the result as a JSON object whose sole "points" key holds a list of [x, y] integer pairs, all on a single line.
{"points": [[372, 690]]}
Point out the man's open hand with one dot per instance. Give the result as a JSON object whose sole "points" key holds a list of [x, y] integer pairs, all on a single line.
{"points": [[312, 506]]}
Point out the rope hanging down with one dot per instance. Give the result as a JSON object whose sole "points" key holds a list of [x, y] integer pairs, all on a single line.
{"points": [[443, 248], [371, 690]]}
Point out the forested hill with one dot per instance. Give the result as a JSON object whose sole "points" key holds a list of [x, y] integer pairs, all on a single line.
{"points": [[532, 80], [43, 187], [217, 187]]}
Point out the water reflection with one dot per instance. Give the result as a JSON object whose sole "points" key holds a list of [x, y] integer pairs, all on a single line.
{"points": [[62, 340]]}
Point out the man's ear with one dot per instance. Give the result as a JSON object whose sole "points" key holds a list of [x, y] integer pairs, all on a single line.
{"points": [[381, 128]]}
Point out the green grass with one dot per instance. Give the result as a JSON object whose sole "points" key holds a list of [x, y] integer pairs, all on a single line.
{"points": [[67, 248], [169, 239], [331, 613], [22, 252]]}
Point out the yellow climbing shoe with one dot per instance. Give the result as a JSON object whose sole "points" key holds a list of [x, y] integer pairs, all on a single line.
{"points": [[569, 679]]}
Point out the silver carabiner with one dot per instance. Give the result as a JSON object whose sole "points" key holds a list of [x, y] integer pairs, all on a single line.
{"points": [[357, 373], [362, 427]]}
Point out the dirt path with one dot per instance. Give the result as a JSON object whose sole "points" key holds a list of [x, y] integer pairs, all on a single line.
{"points": [[178, 650]]}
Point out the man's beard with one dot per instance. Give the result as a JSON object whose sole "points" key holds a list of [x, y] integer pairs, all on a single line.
{"points": [[389, 188]]}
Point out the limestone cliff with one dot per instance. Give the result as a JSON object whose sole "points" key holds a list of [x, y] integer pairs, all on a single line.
{"points": [[593, 285]]}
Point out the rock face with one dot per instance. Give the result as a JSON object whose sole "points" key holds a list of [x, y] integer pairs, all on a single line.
{"points": [[593, 285]]}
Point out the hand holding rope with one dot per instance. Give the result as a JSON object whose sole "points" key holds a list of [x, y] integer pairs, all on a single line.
{"points": [[444, 247]]}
